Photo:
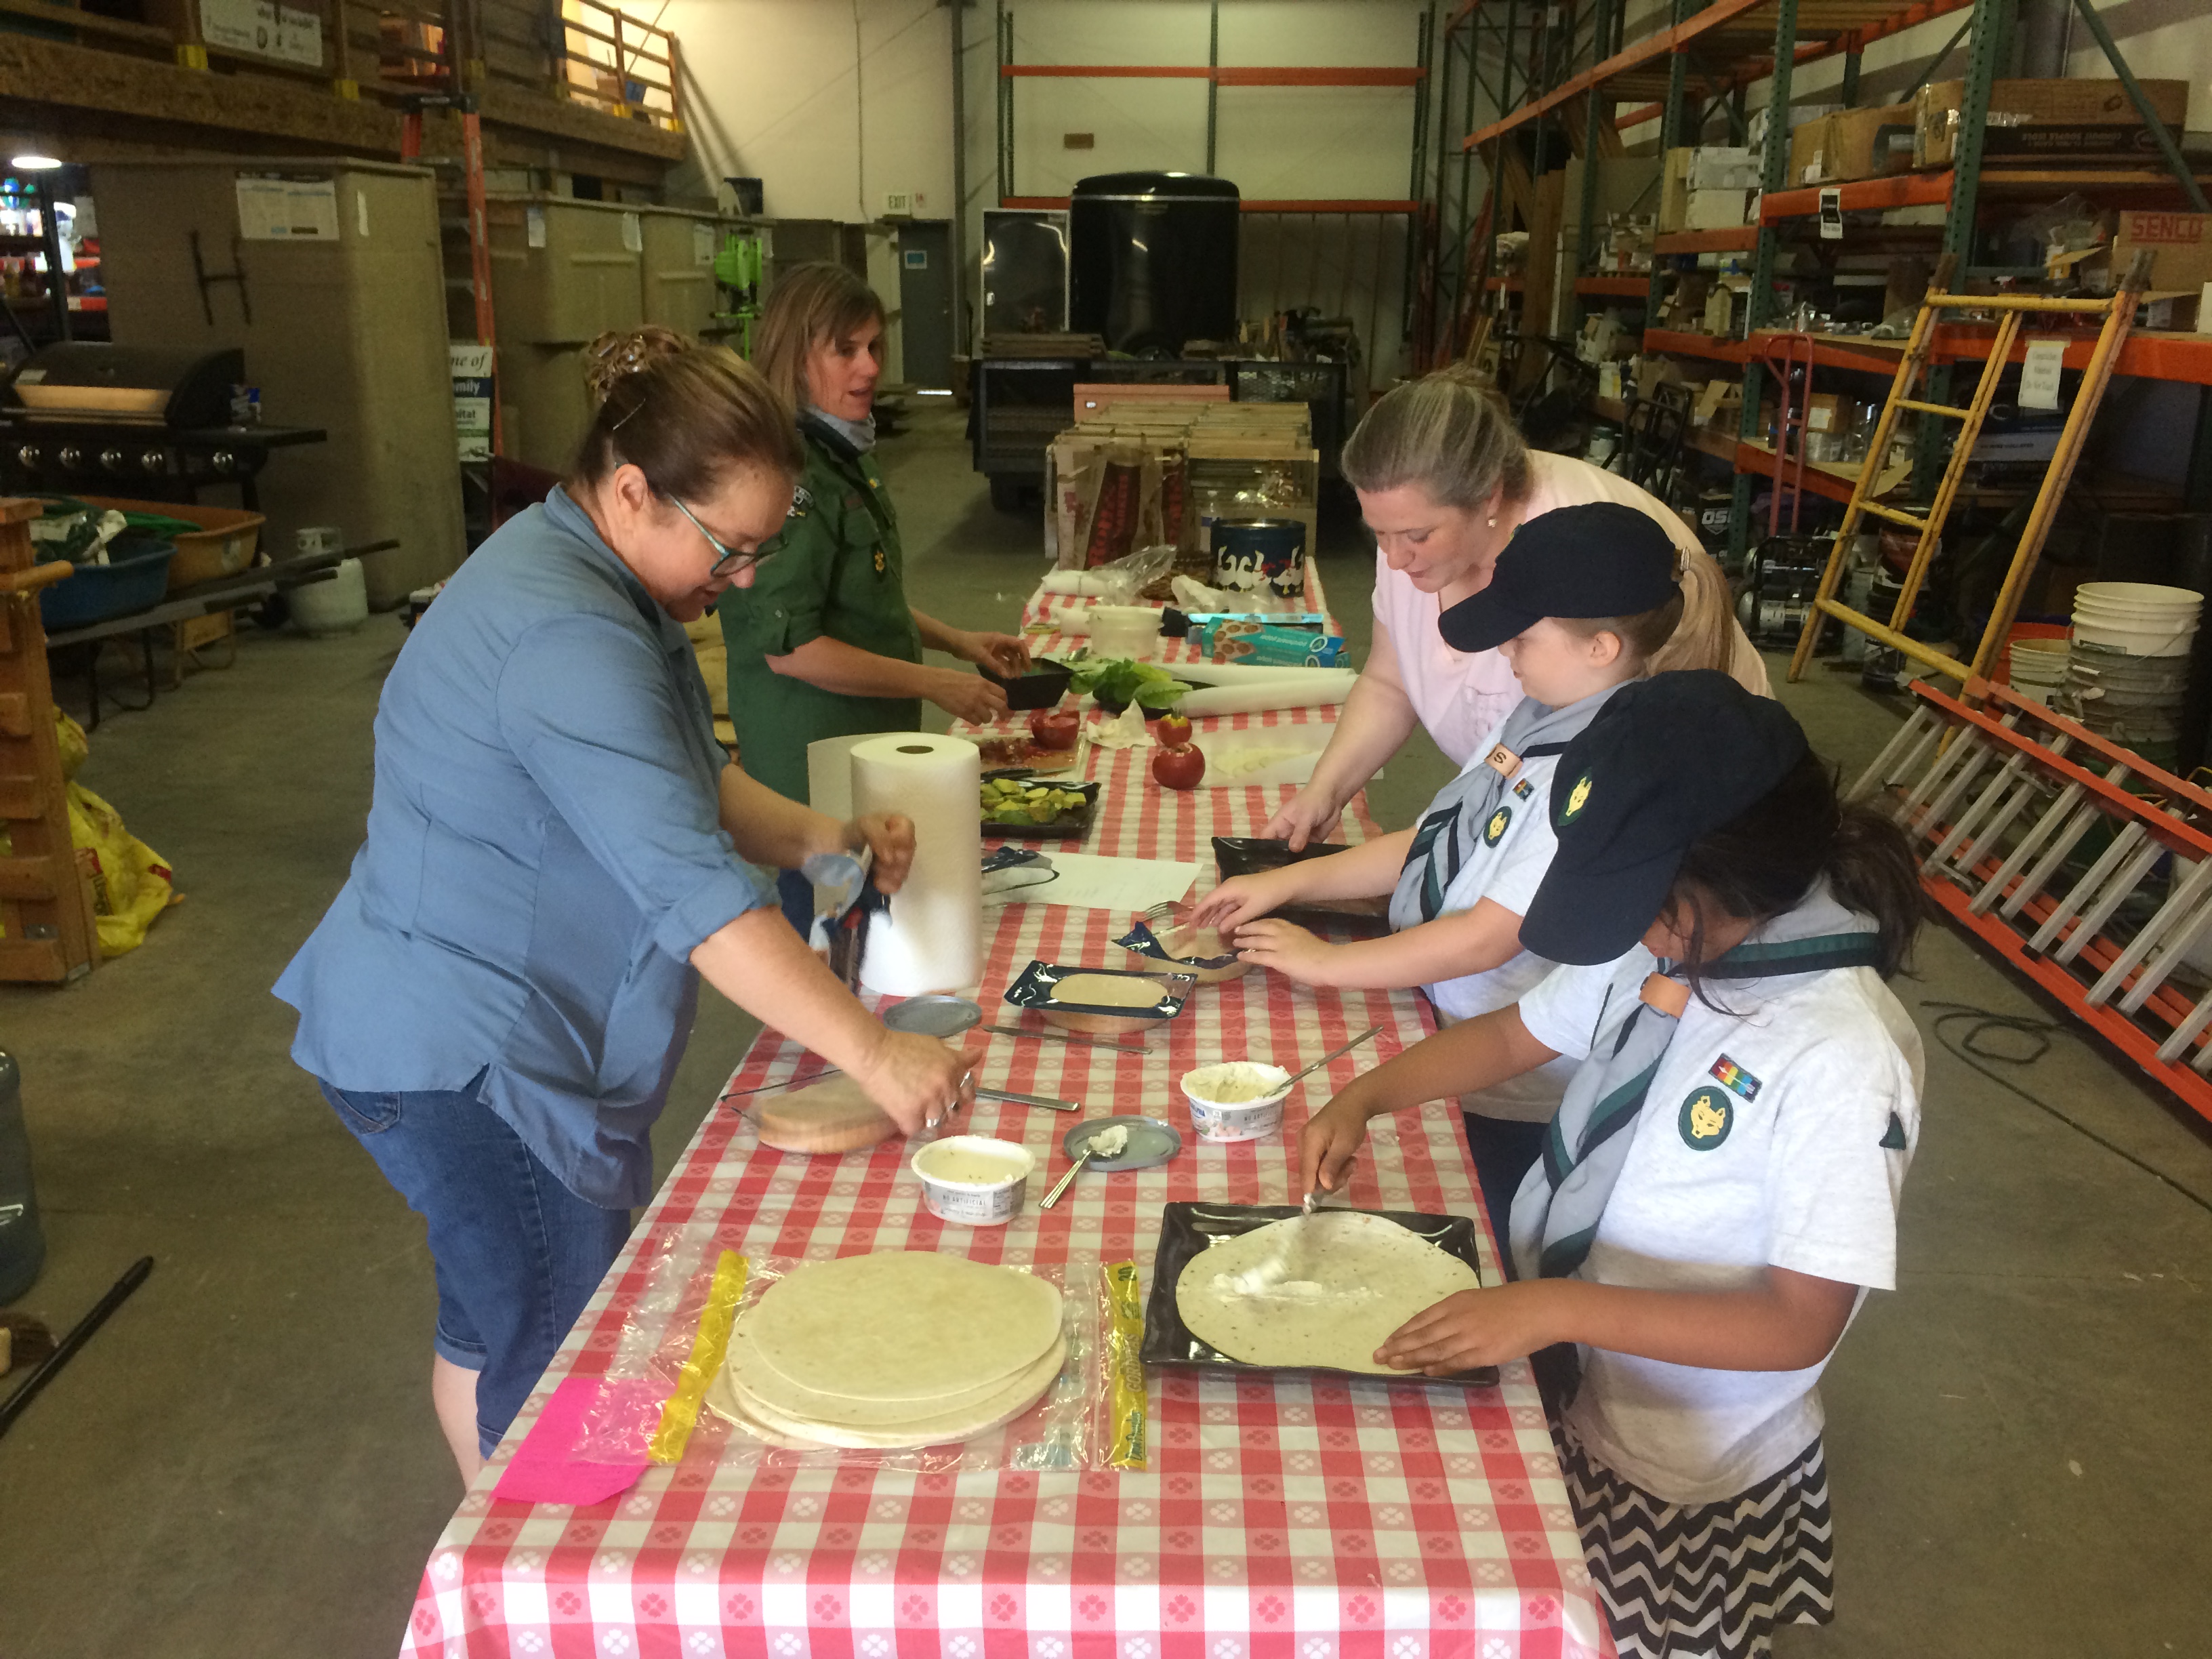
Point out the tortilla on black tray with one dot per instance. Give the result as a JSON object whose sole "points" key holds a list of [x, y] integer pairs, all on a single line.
{"points": [[1187, 1231]]}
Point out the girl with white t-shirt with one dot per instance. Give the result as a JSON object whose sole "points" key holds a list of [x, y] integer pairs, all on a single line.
{"points": [[1720, 1186], [1582, 601], [1444, 481]]}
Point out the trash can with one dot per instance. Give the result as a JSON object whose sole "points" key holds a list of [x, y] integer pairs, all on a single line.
{"points": [[22, 1246]]}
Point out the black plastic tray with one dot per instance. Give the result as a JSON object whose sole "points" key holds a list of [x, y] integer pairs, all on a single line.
{"points": [[1249, 855], [1075, 824], [1188, 1230]]}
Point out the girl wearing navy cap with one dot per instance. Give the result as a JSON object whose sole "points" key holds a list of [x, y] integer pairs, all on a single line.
{"points": [[1582, 599], [1719, 1190]]}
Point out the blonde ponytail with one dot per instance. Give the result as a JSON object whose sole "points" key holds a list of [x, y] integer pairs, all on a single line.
{"points": [[1704, 637]]}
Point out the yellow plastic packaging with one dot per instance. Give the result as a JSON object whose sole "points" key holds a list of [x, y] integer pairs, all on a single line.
{"points": [[1125, 1340]]}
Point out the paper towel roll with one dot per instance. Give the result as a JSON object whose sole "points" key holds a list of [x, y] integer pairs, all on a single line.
{"points": [[932, 939], [1245, 673], [1329, 685], [829, 772]]}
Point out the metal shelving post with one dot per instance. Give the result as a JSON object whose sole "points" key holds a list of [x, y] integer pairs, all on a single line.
{"points": [[1670, 137], [1986, 52], [1593, 124], [1774, 166]]}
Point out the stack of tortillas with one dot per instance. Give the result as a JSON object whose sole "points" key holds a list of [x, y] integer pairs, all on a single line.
{"points": [[1316, 1291], [903, 1348]]}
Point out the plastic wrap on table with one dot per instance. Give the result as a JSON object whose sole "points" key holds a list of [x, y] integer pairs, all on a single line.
{"points": [[656, 1398]]}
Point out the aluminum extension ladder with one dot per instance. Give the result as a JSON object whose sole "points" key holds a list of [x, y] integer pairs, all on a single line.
{"points": [[2118, 315], [1997, 798]]}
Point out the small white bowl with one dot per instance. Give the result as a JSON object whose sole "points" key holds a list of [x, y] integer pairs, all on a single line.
{"points": [[1236, 1120], [967, 1201]]}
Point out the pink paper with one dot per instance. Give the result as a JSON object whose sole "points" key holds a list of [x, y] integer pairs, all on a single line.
{"points": [[545, 1470]]}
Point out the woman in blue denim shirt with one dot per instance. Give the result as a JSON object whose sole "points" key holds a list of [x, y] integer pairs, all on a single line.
{"points": [[557, 850]]}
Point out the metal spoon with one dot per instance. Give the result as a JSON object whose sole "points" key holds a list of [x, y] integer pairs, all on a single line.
{"points": [[1334, 1054], [1060, 1186]]}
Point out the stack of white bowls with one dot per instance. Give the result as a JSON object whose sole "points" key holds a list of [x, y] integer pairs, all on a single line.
{"points": [[2039, 667], [2127, 673]]}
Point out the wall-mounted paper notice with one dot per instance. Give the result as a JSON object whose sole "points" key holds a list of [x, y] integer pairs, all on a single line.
{"points": [[2038, 377]]}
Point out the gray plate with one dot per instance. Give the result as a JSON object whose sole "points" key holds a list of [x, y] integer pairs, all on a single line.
{"points": [[935, 1015], [1151, 1142]]}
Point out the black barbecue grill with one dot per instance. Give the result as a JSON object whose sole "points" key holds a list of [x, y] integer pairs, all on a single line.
{"points": [[150, 421]]}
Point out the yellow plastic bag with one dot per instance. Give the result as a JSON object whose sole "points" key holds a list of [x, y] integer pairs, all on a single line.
{"points": [[128, 881]]}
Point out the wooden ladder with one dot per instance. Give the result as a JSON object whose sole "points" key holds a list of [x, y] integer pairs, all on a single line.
{"points": [[46, 930], [2118, 314]]}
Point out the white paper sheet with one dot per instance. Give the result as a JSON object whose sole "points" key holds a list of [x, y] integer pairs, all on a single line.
{"points": [[1086, 881]]}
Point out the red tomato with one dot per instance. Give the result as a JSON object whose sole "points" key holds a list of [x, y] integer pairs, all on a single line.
{"points": [[1179, 767], [1173, 730], [1054, 728]]}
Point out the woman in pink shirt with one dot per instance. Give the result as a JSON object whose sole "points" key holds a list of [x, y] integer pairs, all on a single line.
{"points": [[1444, 481]]}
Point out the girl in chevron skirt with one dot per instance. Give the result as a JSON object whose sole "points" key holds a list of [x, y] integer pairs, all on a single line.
{"points": [[1719, 1190]]}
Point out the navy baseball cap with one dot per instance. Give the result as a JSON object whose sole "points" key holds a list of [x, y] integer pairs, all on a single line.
{"points": [[1602, 559], [1667, 760]]}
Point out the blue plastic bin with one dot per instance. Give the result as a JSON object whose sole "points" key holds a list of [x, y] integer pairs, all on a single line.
{"points": [[135, 578]]}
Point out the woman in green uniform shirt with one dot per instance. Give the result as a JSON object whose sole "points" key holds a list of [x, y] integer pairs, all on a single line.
{"points": [[825, 645]]}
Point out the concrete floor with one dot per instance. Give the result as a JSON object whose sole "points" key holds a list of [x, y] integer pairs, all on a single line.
{"points": [[243, 1462]]}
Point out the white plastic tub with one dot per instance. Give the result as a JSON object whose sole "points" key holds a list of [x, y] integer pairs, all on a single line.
{"points": [[1248, 1118], [956, 1189]]}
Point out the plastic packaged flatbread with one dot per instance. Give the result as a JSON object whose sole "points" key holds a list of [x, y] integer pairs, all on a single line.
{"points": [[935, 1425], [1321, 1291], [902, 1325], [1108, 991]]}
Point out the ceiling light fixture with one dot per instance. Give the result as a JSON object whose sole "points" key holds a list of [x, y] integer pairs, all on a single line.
{"points": [[32, 162]]}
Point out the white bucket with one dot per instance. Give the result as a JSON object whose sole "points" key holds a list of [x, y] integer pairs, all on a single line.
{"points": [[2039, 667], [336, 606], [2137, 639], [2150, 596]]}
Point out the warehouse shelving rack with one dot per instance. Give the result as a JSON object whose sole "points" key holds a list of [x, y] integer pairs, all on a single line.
{"points": [[1558, 69]]}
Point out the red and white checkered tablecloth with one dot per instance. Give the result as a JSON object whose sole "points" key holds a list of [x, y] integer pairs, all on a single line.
{"points": [[1289, 1519]]}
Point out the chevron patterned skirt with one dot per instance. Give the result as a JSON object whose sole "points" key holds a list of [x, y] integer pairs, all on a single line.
{"points": [[1684, 1583]]}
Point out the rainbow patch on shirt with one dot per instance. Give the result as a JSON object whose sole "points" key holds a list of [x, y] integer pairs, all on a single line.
{"points": [[1735, 1079]]}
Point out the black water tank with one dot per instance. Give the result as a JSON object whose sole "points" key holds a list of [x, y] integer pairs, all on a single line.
{"points": [[1153, 260]]}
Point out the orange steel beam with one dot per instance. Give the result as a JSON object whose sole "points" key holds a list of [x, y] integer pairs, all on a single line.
{"points": [[1813, 50], [1658, 44], [1382, 75]]}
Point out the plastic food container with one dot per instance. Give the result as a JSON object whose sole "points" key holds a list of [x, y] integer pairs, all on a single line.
{"points": [[1042, 687], [958, 1185], [1257, 1112]]}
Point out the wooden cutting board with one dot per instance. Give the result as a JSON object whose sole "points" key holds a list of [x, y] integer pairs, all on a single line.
{"points": [[833, 1116]]}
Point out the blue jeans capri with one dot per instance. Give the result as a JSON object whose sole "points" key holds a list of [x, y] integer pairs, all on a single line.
{"points": [[517, 1254]]}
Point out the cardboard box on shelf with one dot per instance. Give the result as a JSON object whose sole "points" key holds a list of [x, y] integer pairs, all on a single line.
{"points": [[1866, 144], [1822, 411], [2179, 244], [1719, 166], [1720, 402], [1705, 166], [1685, 307], [1716, 209], [1807, 154], [1652, 373], [2028, 117], [1719, 318]]}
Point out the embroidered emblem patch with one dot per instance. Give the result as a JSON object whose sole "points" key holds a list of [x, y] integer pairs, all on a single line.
{"points": [[1502, 760], [1495, 828], [1735, 1078], [1892, 1138], [1706, 1118], [1524, 789], [1578, 798]]}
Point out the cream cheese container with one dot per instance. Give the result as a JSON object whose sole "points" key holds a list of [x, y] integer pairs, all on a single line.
{"points": [[975, 1181], [1236, 1100]]}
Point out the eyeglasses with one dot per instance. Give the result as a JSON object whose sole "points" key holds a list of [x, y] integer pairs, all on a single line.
{"points": [[728, 562]]}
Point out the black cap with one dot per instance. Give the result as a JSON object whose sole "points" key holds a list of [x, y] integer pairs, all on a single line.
{"points": [[1603, 559], [1666, 760]]}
